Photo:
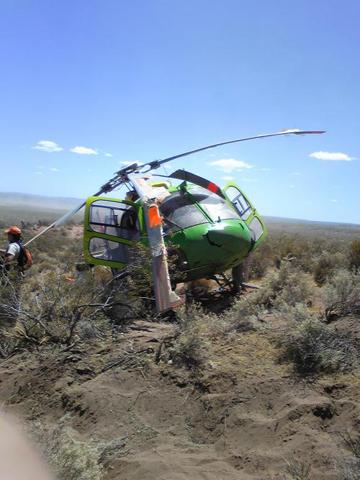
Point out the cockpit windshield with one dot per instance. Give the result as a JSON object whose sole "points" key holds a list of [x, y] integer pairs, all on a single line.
{"points": [[180, 210], [216, 207]]}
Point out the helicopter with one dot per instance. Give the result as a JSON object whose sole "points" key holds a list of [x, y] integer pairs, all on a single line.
{"points": [[207, 229]]}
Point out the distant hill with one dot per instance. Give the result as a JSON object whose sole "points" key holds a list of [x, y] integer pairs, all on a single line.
{"points": [[29, 201], [310, 223], [15, 205]]}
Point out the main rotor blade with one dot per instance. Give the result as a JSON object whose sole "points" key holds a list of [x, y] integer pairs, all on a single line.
{"points": [[116, 181], [57, 222], [295, 131]]}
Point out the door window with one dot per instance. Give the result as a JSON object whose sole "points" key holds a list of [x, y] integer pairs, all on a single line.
{"points": [[256, 229], [103, 249], [239, 202]]}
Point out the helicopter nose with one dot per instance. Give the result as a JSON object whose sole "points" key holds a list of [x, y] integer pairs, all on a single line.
{"points": [[230, 239]]}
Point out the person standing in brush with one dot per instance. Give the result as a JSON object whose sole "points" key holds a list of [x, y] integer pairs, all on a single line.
{"points": [[12, 252], [15, 251]]}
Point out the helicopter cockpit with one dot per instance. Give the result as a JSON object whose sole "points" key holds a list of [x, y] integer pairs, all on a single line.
{"points": [[195, 206]]}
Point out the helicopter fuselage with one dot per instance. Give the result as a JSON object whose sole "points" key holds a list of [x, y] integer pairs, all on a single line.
{"points": [[206, 234]]}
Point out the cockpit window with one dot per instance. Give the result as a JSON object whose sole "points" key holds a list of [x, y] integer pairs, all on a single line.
{"points": [[217, 208], [179, 211]]}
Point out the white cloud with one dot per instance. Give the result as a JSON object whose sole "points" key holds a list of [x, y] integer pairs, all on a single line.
{"points": [[83, 151], [331, 156], [54, 169], [229, 165], [333, 200], [48, 146], [107, 154], [228, 179]]}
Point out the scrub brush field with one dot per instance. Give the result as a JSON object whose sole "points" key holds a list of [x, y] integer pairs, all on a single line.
{"points": [[260, 386]]}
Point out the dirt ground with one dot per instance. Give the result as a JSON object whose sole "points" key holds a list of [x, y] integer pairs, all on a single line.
{"points": [[245, 416]]}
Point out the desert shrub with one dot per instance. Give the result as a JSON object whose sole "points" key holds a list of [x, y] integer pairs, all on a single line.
{"points": [[294, 313], [326, 264], [190, 346], [323, 268], [352, 442], [354, 255], [8, 296], [341, 295], [286, 285], [57, 305], [296, 248], [314, 348], [70, 457], [243, 316], [256, 265], [51, 307], [131, 289], [350, 469], [296, 288], [297, 469]]}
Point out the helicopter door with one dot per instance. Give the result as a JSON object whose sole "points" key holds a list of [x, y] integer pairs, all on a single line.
{"points": [[246, 211], [111, 228]]}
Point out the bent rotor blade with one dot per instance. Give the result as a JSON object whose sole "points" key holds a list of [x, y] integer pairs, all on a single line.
{"points": [[295, 131], [165, 297]]}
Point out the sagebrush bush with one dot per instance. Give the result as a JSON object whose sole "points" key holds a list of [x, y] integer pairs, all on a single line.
{"points": [[326, 264], [9, 288], [294, 313], [51, 307], [288, 284], [243, 315], [350, 469], [70, 457], [341, 296], [314, 348], [190, 346], [297, 469], [132, 289], [354, 255]]}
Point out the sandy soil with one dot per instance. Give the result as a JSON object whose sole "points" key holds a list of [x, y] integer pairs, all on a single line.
{"points": [[243, 417]]}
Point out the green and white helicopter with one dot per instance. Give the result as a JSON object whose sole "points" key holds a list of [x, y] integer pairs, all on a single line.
{"points": [[209, 229]]}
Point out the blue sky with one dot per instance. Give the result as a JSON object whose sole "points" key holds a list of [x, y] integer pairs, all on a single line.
{"points": [[110, 81]]}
